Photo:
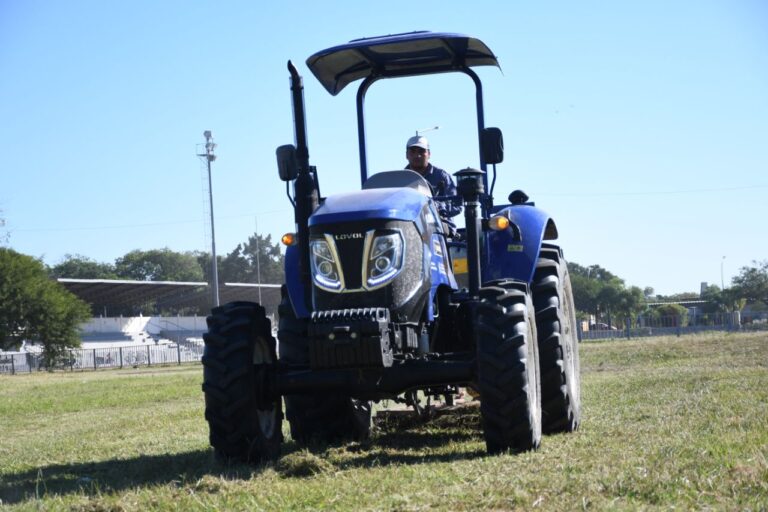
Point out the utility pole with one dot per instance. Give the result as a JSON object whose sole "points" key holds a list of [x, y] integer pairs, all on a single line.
{"points": [[258, 259], [210, 157], [4, 236], [722, 281]]}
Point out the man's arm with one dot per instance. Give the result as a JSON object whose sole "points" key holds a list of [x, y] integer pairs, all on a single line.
{"points": [[448, 188]]}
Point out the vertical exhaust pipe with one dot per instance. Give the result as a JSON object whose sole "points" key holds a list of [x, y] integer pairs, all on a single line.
{"points": [[469, 183], [307, 193]]}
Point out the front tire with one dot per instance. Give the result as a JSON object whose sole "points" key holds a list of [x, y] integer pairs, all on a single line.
{"points": [[558, 343], [508, 370], [239, 353], [322, 417]]}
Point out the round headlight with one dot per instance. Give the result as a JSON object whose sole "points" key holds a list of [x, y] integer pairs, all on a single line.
{"points": [[326, 272], [325, 268], [384, 258], [382, 263]]}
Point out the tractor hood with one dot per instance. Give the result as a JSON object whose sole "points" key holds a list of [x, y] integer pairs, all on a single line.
{"points": [[381, 203]]}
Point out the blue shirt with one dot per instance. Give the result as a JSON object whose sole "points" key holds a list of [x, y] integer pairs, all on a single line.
{"points": [[441, 184]]}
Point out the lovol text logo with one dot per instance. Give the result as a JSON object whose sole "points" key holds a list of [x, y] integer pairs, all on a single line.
{"points": [[349, 236]]}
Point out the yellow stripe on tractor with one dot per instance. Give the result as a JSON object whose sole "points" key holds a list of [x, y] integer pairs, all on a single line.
{"points": [[460, 266]]}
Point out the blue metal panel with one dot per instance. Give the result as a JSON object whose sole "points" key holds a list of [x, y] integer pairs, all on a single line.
{"points": [[296, 291], [440, 271], [380, 203], [509, 257], [440, 267]]}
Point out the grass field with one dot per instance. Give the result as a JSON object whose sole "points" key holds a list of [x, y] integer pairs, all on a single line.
{"points": [[668, 423]]}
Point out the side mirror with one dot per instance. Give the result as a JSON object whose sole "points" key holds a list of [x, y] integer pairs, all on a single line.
{"points": [[518, 197], [492, 145], [287, 162]]}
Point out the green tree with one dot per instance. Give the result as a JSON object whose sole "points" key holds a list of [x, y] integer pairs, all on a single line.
{"points": [[733, 299], [631, 301], [669, 315], [159, 265], [594, 272], [598, 292], [81, 267], [752, 282], [585, 292], [717, 300], [256, 260], [34, 307], [586, 287]]}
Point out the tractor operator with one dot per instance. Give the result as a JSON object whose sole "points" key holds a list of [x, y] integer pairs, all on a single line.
{"points": [[417, 153]]}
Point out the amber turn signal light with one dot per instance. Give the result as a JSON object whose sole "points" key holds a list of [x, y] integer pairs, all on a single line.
{"points": [[288, 239], [498, 223]]}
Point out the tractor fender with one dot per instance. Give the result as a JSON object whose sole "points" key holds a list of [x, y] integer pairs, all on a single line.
{"points": [[296, 291], [513, 252]]}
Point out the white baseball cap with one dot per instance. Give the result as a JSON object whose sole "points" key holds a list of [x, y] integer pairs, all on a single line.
{"points": [[418, 141]]}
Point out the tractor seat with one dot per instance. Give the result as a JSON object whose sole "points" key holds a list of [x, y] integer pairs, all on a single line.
{"points": [[397, 179]]}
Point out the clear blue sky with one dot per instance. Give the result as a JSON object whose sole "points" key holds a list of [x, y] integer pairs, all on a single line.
{"points": [[641, 127]]}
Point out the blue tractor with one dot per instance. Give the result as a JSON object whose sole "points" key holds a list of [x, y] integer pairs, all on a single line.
{"points": [[384, 301]]}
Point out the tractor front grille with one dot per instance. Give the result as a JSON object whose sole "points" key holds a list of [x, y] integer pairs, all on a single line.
{"points": [[350, 338]]}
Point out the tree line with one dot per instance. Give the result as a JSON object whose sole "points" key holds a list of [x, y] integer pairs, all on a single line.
{"points": [[601, 295], [33, 306], [256, 260]]}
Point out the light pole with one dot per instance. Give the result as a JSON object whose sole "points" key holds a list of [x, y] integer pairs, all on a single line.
{"points": [[210, 157], [258, 259], [425, 130], [722, 281]]}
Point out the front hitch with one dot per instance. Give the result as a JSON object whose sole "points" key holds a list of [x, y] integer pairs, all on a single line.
{"points": [[401, 376]]}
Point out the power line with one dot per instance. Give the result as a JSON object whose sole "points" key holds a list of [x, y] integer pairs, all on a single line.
{"points": [[647, 193], [96, 228], [144, 225], [536, 194]]}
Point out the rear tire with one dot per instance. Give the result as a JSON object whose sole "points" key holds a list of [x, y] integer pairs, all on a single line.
{"points": [[239, 353], [508, 370], [323, 418], [558, 343]]}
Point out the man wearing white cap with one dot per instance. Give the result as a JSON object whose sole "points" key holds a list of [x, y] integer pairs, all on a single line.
{"points": [[441, 183]]}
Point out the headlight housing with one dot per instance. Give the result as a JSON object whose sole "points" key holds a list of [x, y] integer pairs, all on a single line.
{"points": [[383, 258], [326, 271]]}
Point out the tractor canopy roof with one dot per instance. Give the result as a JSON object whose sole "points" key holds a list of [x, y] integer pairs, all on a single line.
{"points": [[414, 53]]}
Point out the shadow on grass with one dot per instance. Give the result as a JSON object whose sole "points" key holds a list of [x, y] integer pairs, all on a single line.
{"points": [[117, 475], [395, 442], [407, 439], [403, 450]]}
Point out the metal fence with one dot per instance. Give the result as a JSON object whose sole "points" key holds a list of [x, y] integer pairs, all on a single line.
{"points": [[676, 325], [98, 358], [190, 350]]}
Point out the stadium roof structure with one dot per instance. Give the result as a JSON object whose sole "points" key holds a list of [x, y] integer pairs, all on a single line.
{"points": [[121, 293], [682, 302]]}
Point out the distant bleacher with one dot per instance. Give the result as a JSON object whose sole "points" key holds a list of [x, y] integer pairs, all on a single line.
{"points": [[107, 337], [117, 339], [182, 335]]}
